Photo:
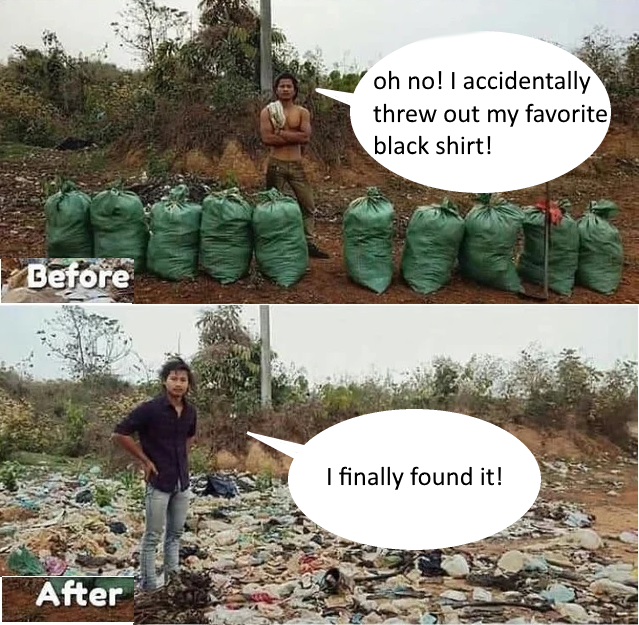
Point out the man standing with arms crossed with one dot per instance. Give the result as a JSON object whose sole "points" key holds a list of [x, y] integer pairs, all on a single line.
{"points": [[166, 427], [285, 127]]}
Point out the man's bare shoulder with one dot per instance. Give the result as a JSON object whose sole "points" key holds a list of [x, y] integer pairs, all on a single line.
{"points": [[301, 109]]}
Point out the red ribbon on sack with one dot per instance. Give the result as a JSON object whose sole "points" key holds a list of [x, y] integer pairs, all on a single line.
{"points": [[555, 212]]}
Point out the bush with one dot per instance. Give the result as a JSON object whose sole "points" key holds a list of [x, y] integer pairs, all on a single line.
{"points": [[26, 117]]}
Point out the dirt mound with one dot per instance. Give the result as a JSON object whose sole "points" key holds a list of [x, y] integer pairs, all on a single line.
{"points": [[566, 444]]}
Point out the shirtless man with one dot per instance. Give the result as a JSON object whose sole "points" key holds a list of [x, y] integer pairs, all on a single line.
{"points": [[285, 136]]}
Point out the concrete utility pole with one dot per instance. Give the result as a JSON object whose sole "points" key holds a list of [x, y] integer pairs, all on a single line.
{"points": [[265, 368], [266, 58]]}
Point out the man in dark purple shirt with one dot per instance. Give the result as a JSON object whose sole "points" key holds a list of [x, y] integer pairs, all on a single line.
{"points": [[166, 428]]}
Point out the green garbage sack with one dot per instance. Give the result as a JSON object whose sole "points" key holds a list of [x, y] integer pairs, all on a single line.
{"points": [[486, 254], [24, 562], [226, 236], [433, 237], [563, 256], [59, 582], [280, 244], [368, 240], [119, 226], [68, 223], [126, 584], [174, 241], [600, 249]]}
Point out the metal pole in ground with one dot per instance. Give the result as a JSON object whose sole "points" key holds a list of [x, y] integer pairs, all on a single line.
{"points": [[547, 224], [265, 369], [266, 58]]}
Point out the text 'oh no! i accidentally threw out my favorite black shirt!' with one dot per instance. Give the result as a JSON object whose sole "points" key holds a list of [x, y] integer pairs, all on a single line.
{"points": [[163, 437]]}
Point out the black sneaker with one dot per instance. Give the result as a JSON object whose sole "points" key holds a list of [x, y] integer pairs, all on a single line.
{"points": [[315, 252]]}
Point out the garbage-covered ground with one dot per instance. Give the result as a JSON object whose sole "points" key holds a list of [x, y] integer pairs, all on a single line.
{"points": [[611, 173], [255, 558], [15, 288]]}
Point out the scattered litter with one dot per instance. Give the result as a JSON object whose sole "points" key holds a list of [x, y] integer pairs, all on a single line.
{"points": [[558, 593], [629, 537], [253, 557]]}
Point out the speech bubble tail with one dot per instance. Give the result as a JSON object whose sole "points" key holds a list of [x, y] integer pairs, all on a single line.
{"points": [[345, 97], [286, 447]]}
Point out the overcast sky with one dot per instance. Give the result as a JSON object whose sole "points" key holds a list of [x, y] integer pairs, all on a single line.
{"points": [[361, 31], [355, 341]]}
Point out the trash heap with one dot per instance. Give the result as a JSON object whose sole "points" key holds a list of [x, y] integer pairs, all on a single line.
{"points": [[17, 291], [249, 555]]}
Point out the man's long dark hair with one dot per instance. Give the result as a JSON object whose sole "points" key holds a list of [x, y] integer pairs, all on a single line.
{"points": [[177, 364], [288, 76]]}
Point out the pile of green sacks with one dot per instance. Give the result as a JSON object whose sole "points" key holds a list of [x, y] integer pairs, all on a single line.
{"points": [[587, 251], [178, 236], [110, 225], [222, 234]]}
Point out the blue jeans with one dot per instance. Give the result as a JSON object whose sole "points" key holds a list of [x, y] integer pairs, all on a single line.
{"points": [[162, 509]]}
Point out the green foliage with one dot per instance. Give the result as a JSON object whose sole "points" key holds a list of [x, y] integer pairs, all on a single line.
{"points": [[26, 117], [264, 480], [230, 180], [616, 63], [230, 39], [199, 460], [132, 483], [103, 496], [344, 82], [210, 70], [10, 473], [129, 479], [228, 361], [158, 165], [445, 381], [75, 427]]}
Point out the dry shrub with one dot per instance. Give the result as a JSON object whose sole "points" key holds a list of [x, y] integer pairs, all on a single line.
{"points": [[259, 460], [226, 461]]}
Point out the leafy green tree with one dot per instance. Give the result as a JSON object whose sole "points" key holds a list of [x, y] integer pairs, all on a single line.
{"points": [[576, 382], [230, 34], [446, 374]]}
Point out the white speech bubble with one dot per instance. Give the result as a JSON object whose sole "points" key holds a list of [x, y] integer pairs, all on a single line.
{"points": [[537, 132], [403, 456]]}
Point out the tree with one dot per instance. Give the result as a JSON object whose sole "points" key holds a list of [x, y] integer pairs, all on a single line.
{"points": [[227, 366], [230, 34], [576, 383], [445, 380], [227, 363], [88, 344], [145, 25]]}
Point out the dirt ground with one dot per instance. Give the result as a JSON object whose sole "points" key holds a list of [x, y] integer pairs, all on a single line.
{"points": [[611, 173], [18, 605]]}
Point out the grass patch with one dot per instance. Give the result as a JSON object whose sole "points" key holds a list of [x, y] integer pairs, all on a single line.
{"points": [[17, 151], [55, 463]]}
